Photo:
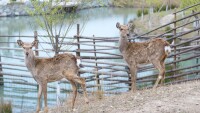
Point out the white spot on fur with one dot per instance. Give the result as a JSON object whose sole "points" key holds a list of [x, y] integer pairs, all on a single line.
{"points": [[160, 77], [168, 49], [172, 43], [78, 62]]}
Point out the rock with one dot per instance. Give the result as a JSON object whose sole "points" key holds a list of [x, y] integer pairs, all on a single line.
{"points": [[1, 10], [7, 10], [17, 13], [23, 13], [3, 14], [9, 14]]}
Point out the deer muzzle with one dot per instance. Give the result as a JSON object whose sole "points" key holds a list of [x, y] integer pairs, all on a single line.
{"points": [[27, 53]]}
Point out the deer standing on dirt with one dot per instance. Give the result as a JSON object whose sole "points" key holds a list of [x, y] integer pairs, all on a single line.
{"points": [[154, 51], [46, 70]]}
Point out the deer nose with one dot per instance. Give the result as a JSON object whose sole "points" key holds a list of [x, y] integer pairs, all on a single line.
{"points": [[27, 53], [128, 35]]}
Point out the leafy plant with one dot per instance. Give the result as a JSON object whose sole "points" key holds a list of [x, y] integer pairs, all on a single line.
{"points": [[5, 107], [146, 11], [186, 3], [122, 3], [50, 16], [139, 13]]}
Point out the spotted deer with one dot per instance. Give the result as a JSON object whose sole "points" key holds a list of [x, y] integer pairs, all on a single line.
{"points": [[153, 51], [45, 70]]}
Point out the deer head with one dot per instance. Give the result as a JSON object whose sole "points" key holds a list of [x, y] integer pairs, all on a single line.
{"points": [[27, 47], [124, 30]]}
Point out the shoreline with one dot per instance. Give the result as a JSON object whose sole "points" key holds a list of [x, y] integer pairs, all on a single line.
{"points": [[19, 9]]}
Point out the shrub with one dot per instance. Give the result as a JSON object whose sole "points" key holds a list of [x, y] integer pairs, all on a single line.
{"points": [[139, 13], [5, 107], [167, 29], [145, 12]]}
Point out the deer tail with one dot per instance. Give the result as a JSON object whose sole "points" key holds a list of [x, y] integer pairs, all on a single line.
{"points": [[168, 48], [78, 62]]}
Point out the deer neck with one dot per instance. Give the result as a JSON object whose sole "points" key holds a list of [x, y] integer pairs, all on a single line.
{"points": [[30, 61], [123, 44]]}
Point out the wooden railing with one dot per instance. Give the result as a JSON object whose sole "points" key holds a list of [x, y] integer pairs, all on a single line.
{"points": [[104, 68]]}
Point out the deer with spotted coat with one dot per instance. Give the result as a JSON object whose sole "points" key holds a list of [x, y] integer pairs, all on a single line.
{"points": [[153, 51], [45, 70]]}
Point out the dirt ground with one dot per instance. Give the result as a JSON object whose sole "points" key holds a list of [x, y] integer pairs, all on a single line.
{"points": [[179, 98]]}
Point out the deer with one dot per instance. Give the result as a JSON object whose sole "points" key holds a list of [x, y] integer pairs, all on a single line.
{"points": [[153, 51], [45, 70]]}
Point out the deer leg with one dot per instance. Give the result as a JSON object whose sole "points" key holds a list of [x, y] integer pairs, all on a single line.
{"points": [[39, 97], [163, 77], [133, 70], [74, 92], [81, 81], [158, 65], [44, 88]]}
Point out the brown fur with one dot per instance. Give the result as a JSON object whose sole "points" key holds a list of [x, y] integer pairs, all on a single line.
{"points": [[134, 53], [46, 70]]}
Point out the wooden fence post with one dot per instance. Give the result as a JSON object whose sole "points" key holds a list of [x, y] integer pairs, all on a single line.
{"points": [[78, 41], [175, 65], [78, 44], [56, 46], [1, 75], [78, 55], [197, 59], [97, 75], [36, 47], [129, 74], [57, 49]]}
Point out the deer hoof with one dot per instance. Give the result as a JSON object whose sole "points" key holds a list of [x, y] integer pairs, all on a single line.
{"points": [[73, 110], [38, 110], [133, 90], [86, 101], [46, 110]]}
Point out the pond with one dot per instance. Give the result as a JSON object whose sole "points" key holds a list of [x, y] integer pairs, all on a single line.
{"points": [[101, 22]]}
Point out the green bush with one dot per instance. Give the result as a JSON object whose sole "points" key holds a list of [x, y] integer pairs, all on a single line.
{"points": [[5, 107], [139, 13], [173, 6], [145, 12], [167, 30]]}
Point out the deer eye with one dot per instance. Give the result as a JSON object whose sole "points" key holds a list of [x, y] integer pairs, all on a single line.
{"points": [[30, 47], [121, 29]]}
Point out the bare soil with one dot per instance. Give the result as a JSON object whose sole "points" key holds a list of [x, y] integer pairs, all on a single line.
{"points": [[179, 98]]}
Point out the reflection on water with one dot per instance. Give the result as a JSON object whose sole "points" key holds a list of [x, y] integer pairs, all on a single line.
{"points": [[98, 22]]}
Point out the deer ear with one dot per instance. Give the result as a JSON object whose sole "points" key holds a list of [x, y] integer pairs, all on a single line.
{"points": [[20, 43], [35, 42], [118, 25]]}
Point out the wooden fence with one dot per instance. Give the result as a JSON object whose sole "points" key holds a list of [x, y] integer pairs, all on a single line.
{"points": [[104, 68]]}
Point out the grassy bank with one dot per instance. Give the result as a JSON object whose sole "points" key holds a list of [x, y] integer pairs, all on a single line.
{"points": [[150, 22], [143, 3]]}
